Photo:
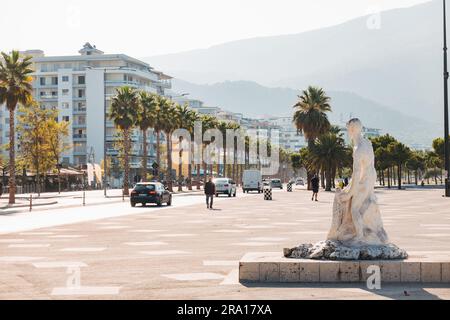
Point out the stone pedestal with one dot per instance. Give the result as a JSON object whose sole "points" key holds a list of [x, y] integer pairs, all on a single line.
{"points": [[271, 267]]}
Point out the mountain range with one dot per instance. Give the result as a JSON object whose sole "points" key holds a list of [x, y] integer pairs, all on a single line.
{"points": [[394, 71], [255, 100]]}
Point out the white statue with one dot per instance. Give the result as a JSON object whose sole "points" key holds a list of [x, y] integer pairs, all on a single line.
{"points": [[356, 216]]}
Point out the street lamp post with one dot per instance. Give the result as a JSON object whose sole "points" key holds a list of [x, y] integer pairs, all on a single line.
{"points": [[446, 122], [104, 136]]}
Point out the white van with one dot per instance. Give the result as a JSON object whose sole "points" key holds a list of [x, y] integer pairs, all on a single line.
{"points": [[252, 181]]}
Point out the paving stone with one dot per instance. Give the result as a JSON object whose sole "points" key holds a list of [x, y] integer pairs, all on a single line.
{"points": [[431, 272], [364, 267], [445, 272], [309, 271], [329, 271], [410, 271], [249, 272], [290, 272], [349, 271], [269, 272], [390, 271]]}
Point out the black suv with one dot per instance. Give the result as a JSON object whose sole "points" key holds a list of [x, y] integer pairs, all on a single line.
{"points": [[150, 192]]}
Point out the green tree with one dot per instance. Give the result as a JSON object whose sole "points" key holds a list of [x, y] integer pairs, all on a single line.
{"points": [[296, 162], [400, 154], [57, 132], [169, 125], [15, 88], [184, 119], [416, 163], [326, 153], [310, 116], [124, 113], [148, 105], [383, 159], [34, 131]]}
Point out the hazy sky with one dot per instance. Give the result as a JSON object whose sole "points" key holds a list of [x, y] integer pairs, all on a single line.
{"points": [[144, 28]]}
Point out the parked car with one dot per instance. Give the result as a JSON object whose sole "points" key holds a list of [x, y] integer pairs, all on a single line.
{"points": [[276, 183], [150, 192], [225, 186], [252, 181], [299, 182]]}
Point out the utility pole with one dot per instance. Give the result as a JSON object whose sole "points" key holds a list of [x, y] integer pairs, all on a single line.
{"points": [[446, 122], [105, 164]]}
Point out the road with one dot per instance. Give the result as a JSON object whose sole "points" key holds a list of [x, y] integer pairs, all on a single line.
{"points": [[189, 252]]}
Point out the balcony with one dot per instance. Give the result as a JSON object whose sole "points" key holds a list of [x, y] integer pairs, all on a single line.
{"points": [[79, 110], [48, 97], [78, 137], [79, 125]]}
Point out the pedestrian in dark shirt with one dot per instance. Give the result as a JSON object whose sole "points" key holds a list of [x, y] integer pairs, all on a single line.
{"points": [[315, 187], [346, 182], [210, 191]]}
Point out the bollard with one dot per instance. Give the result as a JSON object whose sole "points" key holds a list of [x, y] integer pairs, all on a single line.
{"points": [[289, 187], [31, 202], [84, 198], [267, 194]]}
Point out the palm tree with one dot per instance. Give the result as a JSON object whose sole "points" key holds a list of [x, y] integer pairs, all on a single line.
{"points": [[168, 125], [327, 153], [124, 112], [158, 128], [190, 127], [208, 122], [148, 104], [400, 155], [183, 120], [15, 87], [310, 116]]}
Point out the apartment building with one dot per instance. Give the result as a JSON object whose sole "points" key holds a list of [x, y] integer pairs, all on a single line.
{"points": [[81, 87], [290, 138]]}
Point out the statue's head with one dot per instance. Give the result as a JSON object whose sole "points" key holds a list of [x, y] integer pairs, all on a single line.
{"points": [[354, 128]]}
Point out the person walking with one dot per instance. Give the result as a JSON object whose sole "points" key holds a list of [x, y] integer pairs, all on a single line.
{"points": [[315, 187], [210, 191]]}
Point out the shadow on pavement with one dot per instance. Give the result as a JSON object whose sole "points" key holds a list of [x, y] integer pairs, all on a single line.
{"points": [[391, 291]]}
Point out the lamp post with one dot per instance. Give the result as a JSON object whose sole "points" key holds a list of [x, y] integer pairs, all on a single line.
{"points": [[446, 122], [105, 164]]}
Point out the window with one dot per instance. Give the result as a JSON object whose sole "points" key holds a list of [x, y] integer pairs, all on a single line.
{"points": [[65, 92], [65, 78], [42, 81], [66, 118], [81, 80], [54, 81], [65, 105], [54, 94], [81, 93]]}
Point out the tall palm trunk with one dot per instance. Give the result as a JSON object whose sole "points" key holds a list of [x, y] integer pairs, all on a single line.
{"points": [[180, 164], [399, 176], [169, 161], [389, 177], [328, 179], [145, 156], [190, 167], [158, 153], [126, 160], [12, 158], [198, 176], [224, 162]]}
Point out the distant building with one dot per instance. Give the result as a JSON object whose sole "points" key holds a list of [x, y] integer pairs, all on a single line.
{"points": [[290, 138], [79, 86]]}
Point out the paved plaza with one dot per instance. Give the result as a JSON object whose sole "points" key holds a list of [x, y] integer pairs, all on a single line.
{"points": [[113, 251]]}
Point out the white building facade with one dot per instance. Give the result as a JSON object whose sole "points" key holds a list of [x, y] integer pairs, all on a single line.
{"points": [[81, 87]]}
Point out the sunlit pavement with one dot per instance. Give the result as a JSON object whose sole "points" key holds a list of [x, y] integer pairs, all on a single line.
{"points": [[189, 252]]}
